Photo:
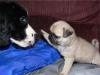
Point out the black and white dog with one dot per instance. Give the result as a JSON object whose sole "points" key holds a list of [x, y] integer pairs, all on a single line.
{"points": [[14, 25]]}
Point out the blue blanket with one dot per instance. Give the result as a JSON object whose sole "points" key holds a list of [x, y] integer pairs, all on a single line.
{"points": [[19, 62]]}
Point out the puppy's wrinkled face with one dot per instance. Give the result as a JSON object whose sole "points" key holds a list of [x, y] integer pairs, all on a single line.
{"points": [[14, 25], [61, 33]]}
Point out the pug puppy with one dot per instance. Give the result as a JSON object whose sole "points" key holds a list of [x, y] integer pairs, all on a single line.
{"points": [[72, 47]]}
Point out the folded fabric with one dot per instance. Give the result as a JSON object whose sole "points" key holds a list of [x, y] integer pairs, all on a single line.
{"points": [[17, 61], [76, 69]]}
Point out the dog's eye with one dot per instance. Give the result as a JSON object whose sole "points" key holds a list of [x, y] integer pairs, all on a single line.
{"points": [[32, 35], [23, 19]]}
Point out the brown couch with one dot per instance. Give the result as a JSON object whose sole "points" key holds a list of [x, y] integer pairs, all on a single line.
{"points": [[83, 15]]}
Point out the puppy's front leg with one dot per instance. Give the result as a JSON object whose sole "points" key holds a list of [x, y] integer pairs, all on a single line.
{"points": [[67, 66]]}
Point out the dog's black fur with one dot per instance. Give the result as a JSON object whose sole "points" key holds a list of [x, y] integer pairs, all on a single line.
{"points": [[13, 21]]}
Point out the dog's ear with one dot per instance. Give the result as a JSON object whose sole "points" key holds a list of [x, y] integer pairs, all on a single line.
{"points": [[4, 33], [66, 33]]}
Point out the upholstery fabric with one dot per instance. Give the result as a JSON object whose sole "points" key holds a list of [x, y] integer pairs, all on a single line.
{"points": [[83, 15]]}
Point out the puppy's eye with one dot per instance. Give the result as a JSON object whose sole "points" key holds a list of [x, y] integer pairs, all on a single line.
{"points": [[57, 36]]}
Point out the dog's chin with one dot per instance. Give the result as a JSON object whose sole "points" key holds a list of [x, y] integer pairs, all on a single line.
{"points": [[23, 47], [23, 43]]}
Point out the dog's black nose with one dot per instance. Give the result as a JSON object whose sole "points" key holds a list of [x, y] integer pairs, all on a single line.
{"points": [[30, 41]]}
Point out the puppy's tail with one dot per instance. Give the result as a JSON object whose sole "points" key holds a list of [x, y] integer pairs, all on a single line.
{"points": [[95, 43]]}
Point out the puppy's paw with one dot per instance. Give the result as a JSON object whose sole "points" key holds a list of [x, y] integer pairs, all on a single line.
{"points": [[43, 32], [61, 73]]}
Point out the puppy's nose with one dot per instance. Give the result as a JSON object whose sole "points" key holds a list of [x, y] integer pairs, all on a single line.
{"points": [[52, 36]]}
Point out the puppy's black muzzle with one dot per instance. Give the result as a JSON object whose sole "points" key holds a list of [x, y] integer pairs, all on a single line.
{"points": [[53, 39]]}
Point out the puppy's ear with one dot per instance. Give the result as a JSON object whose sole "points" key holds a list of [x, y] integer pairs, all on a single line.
{"points": [[66, 33], [4, 33]]}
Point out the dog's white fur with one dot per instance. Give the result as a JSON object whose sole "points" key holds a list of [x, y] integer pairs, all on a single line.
{"points": [[29, 40], [73, 48]]}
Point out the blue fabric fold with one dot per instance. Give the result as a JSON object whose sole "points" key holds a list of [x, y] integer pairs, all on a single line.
{"points": [[16, 61]]}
